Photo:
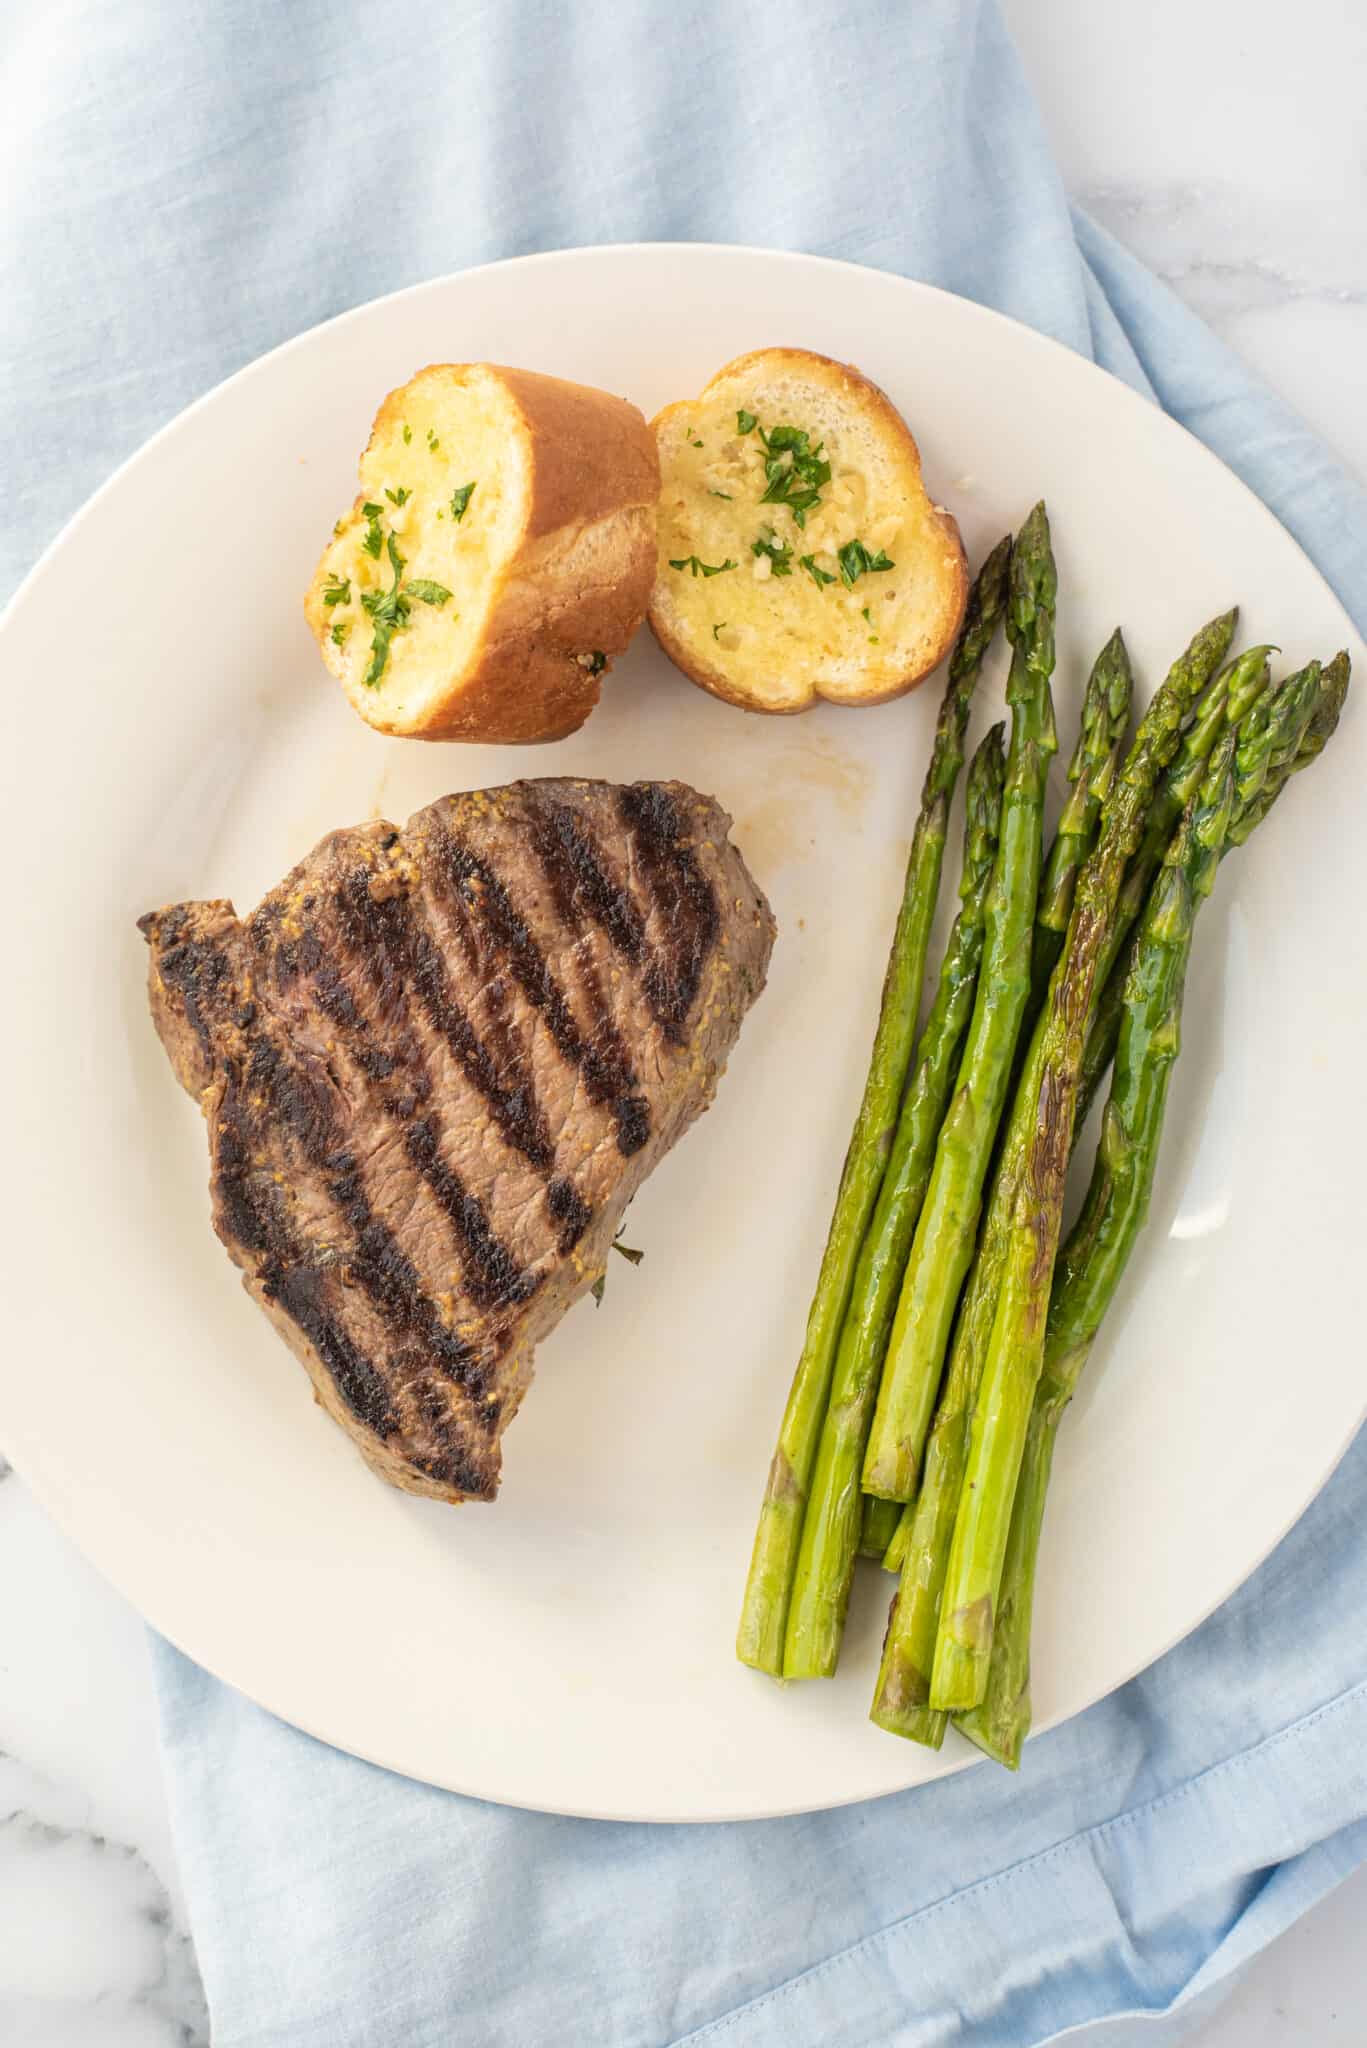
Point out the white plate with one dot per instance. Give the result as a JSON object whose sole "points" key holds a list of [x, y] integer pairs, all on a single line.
{"points": [[172, 734]]}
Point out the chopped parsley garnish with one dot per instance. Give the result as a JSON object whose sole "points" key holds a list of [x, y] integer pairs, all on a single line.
{"points": [[697, 444], [819, 576], [746, 423], [399, 497], [867, 617], [386, 605], [460, 499], [407, 433], [628, 1252], [432, 441], [697, 568], [379, 653], [856, 561], [373, 542], [389, 610], [337, 590], [720, 494], [794, 471], [340, 629], [595, 663], [779, 553]]}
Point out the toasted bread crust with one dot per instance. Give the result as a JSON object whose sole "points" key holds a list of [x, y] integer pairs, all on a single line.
{"points": [[574, 583], [695, 655], [578, 589]]}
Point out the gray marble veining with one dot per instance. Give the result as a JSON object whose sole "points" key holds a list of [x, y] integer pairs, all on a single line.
{"points": [[89, 1927], [1219, 250]]}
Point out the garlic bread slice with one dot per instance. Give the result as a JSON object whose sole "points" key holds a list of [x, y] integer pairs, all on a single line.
{"points": [[799, 555], [499, 554]]}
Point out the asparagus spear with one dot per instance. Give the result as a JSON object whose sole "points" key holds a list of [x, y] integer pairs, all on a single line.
{"points": [[888, 1525], [920, 1549], [1015, 1352], [1247, 683], [831, 1525], [1092, 1261], [764, 1613], [1324, 719], [1096, 759], [927, 1523], [1327, 712], [1319, 730], [943, 1244], [878, 1527], [1224, 702], [895, 1556]]}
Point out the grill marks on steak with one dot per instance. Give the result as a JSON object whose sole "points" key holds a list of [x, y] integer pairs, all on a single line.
{"points": [[386, 944], [374, 1260], [283, 1110], [255, 1211], [485, 916], [383, 946], [688, 907], [435, 1066], [493, 1277]]}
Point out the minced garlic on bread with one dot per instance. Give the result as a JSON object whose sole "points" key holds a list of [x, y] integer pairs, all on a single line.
{"points": [[500, 553], [799, 555]]}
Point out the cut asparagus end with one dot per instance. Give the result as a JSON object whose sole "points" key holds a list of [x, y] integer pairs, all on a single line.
{"points": [[914, 1724], [999, 1734], [878, 1529]]}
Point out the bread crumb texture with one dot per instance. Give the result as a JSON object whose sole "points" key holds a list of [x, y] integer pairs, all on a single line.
{"points": [[799, 556]]}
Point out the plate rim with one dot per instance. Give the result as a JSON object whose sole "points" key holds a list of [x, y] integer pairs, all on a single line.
{"points": [[1022, 334]]}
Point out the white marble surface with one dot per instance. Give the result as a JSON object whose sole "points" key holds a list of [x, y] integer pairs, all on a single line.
{"points": [[1226, 146]]}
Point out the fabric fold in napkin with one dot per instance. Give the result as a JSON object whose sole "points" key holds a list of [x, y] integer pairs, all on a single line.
{"points": [[229, 177]]}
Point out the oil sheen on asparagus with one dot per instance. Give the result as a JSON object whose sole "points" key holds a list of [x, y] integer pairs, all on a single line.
{"points": [[947, 1230], [1015, 1351], [919, 1551], [943, 1244], [1247, 772], [764, 1612], [834, 1517]]}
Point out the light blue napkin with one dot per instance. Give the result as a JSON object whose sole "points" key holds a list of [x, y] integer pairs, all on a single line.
{"points": [[184, 185]]}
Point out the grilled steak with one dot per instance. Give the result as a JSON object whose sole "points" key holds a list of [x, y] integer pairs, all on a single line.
{"points": [[436, 1064]]}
